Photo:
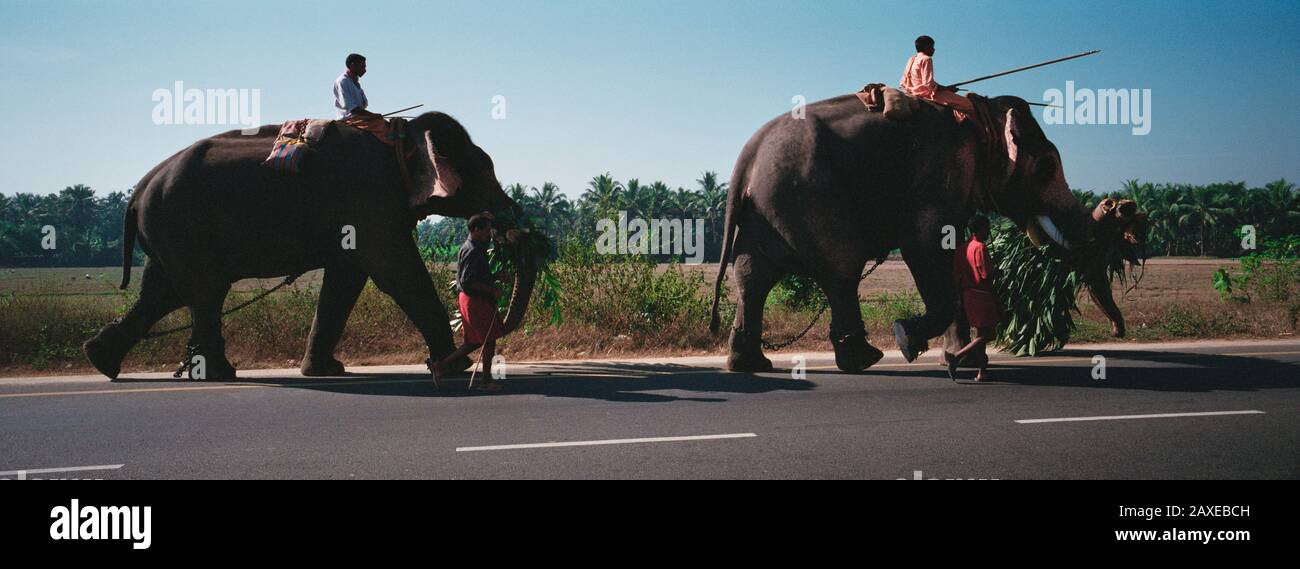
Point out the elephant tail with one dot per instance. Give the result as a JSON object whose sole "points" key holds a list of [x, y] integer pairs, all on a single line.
{"points": [[128, 246], [735, 197]]}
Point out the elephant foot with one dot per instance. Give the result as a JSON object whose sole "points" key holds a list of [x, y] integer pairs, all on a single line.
{"points": [[201, 366], [460, 366], [853, 353], [218, 370], [322, 367], [746, 354], [910, 348], [101, 355], [748, 363]]}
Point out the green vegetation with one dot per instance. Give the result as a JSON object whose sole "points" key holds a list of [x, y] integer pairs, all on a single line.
{"points": [[1206, 220], [590, 305]]}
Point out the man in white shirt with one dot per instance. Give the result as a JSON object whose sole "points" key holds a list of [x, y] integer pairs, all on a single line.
{"points": [[349, 99]]}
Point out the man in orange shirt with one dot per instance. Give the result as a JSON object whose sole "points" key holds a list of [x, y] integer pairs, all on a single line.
{"points": [[918, 81]]}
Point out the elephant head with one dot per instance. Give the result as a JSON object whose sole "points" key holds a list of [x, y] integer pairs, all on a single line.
{"points": [[1033, 192], [452, 177]]}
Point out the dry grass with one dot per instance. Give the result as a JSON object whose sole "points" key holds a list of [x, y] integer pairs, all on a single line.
{"points": [[45, 314]]}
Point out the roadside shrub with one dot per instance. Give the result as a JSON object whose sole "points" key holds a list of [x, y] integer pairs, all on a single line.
{"points": [[627, 293], [797, 292], [1270, 275]]}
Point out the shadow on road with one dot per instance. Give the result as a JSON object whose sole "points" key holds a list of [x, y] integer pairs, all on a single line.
{"points": [[1134, 369], [654, 382], [620, 382]]}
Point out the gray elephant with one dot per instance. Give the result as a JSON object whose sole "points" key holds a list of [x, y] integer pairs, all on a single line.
{"points": [[822, 194], [212, 214]]}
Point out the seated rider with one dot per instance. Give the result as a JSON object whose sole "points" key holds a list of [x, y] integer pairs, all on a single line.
{"points": [[350, 100], [918, 81]]}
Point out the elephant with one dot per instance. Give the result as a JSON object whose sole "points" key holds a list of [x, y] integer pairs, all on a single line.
{"points": [[821, 193], [212, 214]]}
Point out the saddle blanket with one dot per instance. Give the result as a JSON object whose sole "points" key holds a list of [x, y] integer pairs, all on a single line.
{"points": [[293, 142]]}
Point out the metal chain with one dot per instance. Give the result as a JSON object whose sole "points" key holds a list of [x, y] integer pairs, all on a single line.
{"points": [[287, 281]]}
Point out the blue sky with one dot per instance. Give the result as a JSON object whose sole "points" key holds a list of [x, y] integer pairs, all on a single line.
{"points": [[656, 90]]}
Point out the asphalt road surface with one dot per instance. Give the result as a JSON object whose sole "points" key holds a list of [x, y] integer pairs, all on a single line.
{"points": [[1199, 410]]}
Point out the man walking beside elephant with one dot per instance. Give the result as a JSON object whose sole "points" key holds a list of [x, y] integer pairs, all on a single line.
{"points": [[974, 271], [478, 309]]}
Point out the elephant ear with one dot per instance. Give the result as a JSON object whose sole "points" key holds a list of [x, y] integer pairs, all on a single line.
{"points": [[448, 179], [1009, 136]]}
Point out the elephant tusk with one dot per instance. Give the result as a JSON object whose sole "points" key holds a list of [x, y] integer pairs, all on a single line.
{"points": [[1052, 231]]}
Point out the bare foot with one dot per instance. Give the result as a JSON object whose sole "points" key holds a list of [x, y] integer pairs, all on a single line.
{"points": [[438, 372]]}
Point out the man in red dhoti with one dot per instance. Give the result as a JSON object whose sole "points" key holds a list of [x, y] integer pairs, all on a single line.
{"points": [[974, 270], [350, 100], [478, 306], [918, 81]]}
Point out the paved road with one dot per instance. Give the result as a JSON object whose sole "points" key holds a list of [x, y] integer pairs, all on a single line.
{"points": [[898, 421]]}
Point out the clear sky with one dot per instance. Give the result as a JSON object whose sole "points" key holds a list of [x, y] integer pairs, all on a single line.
{"points": [[649, 89]]}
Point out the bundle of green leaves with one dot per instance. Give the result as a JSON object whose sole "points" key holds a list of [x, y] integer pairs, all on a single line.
{"points": [[520, 244], [1040, 285]]}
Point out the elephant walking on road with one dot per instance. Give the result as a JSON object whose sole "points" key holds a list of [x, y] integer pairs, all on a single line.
{"points": [[211, 215], [822, 194]]}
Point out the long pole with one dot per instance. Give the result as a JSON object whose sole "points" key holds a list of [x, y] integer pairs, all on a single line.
{"points": [[403, 110], [1027, 67]]}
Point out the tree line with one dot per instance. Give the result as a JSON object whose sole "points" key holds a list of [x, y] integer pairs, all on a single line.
{"points": [[1211, 219], [1187, 220]]}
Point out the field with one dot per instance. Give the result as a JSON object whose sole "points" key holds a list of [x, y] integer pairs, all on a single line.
{"points": [[46, 313]]}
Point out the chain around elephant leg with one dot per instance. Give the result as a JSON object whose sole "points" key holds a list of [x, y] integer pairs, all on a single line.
{"points": [[853, 352]]}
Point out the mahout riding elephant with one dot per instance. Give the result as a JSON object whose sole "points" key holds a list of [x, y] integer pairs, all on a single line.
{"points": [[212, 214], [821, 193]]}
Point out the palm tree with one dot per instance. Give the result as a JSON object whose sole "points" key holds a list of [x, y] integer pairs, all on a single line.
{"points": [[1086, 198], [682, 203], [656, 199], [713, 206], [633, 198], [1275, 207], [547, 198], [712, 197], [1204, 207], [602, 193], [78, 211]]}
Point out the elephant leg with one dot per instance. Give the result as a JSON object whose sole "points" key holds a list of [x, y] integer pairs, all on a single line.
{"points": [[157, 299], [848, 335], [338, 295], [755, 276], [402, 275], [207, 340], [932, 271]]}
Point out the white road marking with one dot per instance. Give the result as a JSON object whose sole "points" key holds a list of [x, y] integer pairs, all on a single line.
{"points": [[1150, 416], [610, 442], [22, 474]]}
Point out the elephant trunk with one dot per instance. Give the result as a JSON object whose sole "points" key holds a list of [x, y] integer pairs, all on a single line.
{"points": [[1099, 290], [1115, 224], [525, 273], [521, 293]]}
